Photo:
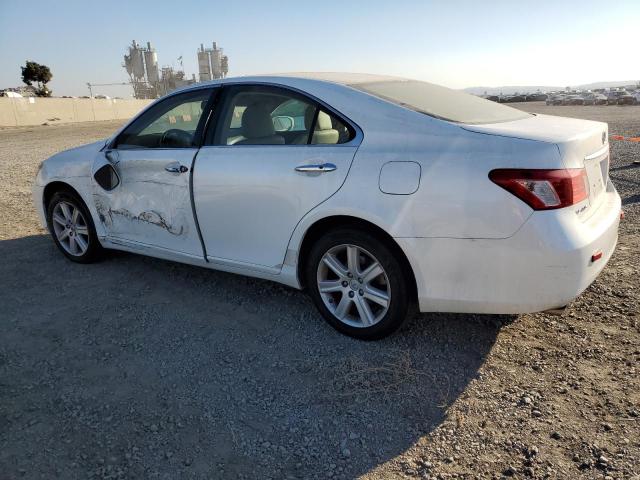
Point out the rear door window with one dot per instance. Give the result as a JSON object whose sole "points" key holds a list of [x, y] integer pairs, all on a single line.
{"points": [[262, 115], [265, 115]]}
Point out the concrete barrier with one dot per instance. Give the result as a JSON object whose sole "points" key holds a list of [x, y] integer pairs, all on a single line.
{"points": [[16, 112]]}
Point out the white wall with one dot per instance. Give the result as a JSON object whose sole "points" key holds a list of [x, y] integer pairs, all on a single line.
{"points": [[15, 112]]}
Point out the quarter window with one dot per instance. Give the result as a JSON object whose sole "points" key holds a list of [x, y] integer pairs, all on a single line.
{"points": [[329, 129]]}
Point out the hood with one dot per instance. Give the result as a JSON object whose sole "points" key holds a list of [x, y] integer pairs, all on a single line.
{"points": [[75, 162]]}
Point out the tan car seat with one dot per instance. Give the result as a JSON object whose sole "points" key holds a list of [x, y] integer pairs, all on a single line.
{"points": [[324, 132]]}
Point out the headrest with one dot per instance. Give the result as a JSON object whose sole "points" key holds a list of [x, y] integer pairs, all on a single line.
{"points": [[256, 122], [324, 122]]}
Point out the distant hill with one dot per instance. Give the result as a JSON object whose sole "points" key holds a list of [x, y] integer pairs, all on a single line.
{"points": [[591, 86], [511, 89]]}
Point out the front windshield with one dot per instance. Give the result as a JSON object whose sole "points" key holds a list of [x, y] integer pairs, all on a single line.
{"points": [[441, 102]]}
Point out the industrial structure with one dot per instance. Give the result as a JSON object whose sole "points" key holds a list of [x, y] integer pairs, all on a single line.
{"points": [[150, 81], [212, 64], [142, 66]]}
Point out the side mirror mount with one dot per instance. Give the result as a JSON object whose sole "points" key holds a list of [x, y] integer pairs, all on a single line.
{"points": [[112, 156]]}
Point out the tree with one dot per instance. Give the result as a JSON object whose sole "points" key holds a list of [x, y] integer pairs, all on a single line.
{"points": [[41, 74]]}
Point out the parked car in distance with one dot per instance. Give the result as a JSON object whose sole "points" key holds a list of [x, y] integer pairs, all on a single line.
{"points": [[376, 193], [513, 98], [536, 97], [555, 99], [594, 99], [620, 97], [626, 99], [10, 94], [573, 100]]}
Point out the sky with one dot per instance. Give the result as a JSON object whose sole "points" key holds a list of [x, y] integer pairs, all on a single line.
{"points": [[456, 43]]}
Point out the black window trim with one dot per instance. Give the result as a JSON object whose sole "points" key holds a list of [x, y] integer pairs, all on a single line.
{"points": [[204, 120], [313, 126], [213, 126]]}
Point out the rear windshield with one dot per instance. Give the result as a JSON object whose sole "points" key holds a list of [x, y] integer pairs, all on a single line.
{"points": [[441, 102]]}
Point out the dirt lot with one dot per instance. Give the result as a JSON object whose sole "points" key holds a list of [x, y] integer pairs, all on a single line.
{"points": [[140, 368]]}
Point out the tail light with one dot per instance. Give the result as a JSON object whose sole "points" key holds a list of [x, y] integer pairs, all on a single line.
{"points": [[544, 189]]}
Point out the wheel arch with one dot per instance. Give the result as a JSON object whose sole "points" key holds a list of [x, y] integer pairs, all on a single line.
{"points": [[78, 190], [323, 225], [58, 186]]}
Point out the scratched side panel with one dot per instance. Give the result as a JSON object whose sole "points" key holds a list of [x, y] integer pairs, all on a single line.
{"points": [[150, 206]]}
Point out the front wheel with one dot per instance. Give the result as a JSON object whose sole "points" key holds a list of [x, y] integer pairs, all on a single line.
{"points": [[358, 284], [72, 228]]}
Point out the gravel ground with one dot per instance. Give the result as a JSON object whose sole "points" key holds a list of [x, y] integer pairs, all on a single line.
{"points": [[141, 368]]}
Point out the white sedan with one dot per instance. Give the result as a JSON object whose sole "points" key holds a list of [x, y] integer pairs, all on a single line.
{"points": [[371, 192]]}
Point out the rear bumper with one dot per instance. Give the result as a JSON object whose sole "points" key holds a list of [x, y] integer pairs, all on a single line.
{"points": [[545, 265]]}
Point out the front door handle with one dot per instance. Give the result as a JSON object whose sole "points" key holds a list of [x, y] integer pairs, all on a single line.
{"points": [[173, 168], [324, 167]]}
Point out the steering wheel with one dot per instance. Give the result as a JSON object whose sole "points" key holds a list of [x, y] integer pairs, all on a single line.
{"points": [[176, 138]]}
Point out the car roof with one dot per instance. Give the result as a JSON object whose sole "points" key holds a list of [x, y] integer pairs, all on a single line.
{"points": [[299, 79], [343, 78], [327, 87]]}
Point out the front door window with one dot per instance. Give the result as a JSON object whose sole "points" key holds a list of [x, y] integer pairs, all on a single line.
{"points": [[172, 123]]}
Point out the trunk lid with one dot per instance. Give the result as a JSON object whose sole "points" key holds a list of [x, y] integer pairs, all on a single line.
{"points": [[581, 144]]}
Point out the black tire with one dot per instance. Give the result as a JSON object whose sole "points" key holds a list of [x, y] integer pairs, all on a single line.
{"points": [[94, 251], [393, 268]]}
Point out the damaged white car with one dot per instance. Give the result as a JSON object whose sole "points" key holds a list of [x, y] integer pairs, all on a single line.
{"points": [[370, 192]]}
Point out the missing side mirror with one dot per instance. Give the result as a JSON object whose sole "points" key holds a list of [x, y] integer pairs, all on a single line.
{"points": [[107, 177]]}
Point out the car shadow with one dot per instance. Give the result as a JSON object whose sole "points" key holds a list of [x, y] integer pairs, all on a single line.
{"points": [[628, 166], [151, 368], [631, 200]]}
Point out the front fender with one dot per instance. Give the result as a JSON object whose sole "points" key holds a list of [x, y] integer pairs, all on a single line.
{"points": [[70, 169], [80, 185], [72, 163]]}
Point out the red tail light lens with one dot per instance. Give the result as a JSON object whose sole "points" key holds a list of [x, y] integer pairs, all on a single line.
{"points": [[544, 189]]}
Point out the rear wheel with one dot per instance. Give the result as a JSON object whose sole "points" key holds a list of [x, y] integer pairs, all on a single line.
{"points": [[72, 228], [357, 284]]}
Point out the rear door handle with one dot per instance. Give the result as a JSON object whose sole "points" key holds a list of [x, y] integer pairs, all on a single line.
{"points": [[324, 167], [173, 168]]}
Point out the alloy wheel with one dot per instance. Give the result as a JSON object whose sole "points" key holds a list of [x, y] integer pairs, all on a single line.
{"points": [[70, 228], [353, 285]]}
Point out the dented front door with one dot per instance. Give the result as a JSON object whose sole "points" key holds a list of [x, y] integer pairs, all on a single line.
{"points": [[151, 205]]}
